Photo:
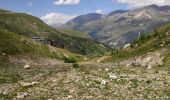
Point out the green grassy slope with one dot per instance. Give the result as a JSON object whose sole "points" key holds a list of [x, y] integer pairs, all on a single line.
{"points": [[14, 44], [30, 26], [157, 40], [76, 33]]}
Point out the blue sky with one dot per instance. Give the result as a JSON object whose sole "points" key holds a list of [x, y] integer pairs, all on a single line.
{"points": [[42, 7], [60, 11]]}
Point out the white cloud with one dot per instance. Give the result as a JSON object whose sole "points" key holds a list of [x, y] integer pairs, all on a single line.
{"points": [[139, 3], [100, 11], [66, 2], [56, 18], [30, 3]]}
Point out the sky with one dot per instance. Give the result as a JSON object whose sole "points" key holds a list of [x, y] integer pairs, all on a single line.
{"points": [[61, 11]]}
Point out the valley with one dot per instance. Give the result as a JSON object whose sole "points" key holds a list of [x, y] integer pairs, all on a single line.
{"points": [[124, 55]]}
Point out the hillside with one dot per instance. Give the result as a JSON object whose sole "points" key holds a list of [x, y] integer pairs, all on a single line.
{"points": [[79, 21], [75, 33], [156, 41], [27, 25], [121, 27], [15, 45]]}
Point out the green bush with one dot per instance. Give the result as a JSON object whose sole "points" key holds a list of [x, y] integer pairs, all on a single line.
{"points": [[69, 60], [75, 65]]}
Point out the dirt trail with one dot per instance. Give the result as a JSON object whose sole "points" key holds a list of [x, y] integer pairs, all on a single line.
{"points": [[100, 60]]}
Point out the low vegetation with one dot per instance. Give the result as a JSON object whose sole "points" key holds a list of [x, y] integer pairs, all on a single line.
{"points": [[14, 44], [69, 59], [157, 40], [76, 33], [29, 26]]}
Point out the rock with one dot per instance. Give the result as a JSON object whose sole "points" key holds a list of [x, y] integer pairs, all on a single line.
{"points": [[72, 91], [5, 92], [27, 66], [28, 84], [87, 84], [149, 67], [127, 45], [112, 76], [104, 82], [4, 54], [70, 96], [106, 69], [22, 95]]}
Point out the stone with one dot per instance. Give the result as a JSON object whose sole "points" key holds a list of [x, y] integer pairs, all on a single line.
{"points": [[104, 82], [71, 91], [27, 66], [5, 92], [24, 84], [87, 84], [106, 69], [4, 54], [70, 96], [127, 45], [112, 76], [22, 95]]}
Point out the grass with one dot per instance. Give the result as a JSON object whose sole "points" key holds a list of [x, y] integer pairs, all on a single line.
{"points": [[27, 25], [12, 44], [157, 40], [76, 33], [69, 60]]}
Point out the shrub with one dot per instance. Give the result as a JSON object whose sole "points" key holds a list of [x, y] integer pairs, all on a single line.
{"points": [[69, 60], [75, 65]]}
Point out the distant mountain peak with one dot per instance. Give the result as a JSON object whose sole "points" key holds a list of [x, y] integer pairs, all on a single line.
{"points": [[156, 7], [86, 18], [152, 6], [117, 12]]}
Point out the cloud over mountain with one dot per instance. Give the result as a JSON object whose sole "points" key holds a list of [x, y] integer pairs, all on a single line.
{"points": [[56, 18], [100, 11], [66, 2]]}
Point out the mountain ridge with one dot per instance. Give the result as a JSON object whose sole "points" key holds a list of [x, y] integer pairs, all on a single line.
{"points": [[114, 30]]}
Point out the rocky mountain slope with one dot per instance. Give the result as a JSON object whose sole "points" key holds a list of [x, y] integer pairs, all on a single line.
{"points": [[30, 26], [78, 22], [149, 50], [122, 27]]}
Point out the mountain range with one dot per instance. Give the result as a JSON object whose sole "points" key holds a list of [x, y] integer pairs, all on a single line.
{"points": [[121, 27], [30, 26]]}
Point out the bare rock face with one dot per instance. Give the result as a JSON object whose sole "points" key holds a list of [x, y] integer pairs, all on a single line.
{"points": [[149, 60]]}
